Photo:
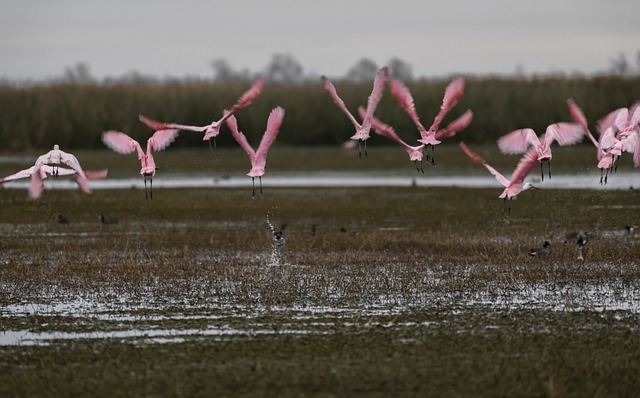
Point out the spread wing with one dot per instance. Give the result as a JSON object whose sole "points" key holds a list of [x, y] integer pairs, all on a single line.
{"points": [[26, 173], [578, 116], [518, 141], [478, 159], [169, 126], [121, 143], [273, 127], [161, 139], [232, 123], [376, 94], [451, 95], [564, 133], [459, 124], [338, 101]]}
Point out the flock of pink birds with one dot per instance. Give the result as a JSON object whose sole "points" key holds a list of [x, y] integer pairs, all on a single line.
{"points": [[619, 132]]}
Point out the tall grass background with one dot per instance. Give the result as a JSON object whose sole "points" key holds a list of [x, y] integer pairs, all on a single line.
{"points": [[74, 115]]}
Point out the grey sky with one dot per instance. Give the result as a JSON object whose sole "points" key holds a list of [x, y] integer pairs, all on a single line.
{"points": [[39, 39]]}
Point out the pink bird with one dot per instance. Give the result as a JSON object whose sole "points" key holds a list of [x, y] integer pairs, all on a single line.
{"points": [[604, 154], [514, 186], [54, 158], [625, 121], [211, 130], [362, 130], [519, 141], [122, 143], [46, 170], [258, 158], [428, 137]]}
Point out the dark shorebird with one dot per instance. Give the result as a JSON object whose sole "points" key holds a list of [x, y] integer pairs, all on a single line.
{"points": [[541, 252], [62, 219], [108, 221]]}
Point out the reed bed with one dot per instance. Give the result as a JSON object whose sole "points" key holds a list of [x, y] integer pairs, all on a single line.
{"points": [[75, 115]]}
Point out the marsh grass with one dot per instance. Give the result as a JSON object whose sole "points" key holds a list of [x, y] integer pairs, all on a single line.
{"points": [[398, 291]]}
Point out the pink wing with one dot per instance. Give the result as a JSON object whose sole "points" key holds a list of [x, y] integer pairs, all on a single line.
{"points": [[607, 121], [563, 133], [247, 98], [525, 165], [36, 186], [19, 175], [459, 124], [71, 161], [232, 123], [273, 127], [478, 159], [607, 139], [122, 143], [154, 125], [161, 139], [338, 101], [96, 174], [402, 94], [578, 116], [451, 95], [376, 94], [415, 152], [83, 183], [518, 141], [622, 119], [634, 111]]}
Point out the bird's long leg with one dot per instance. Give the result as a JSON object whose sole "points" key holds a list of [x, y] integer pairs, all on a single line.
{"points": [[606, 176], [433, 155], [151, 188], [359, 149], [549, 164], [615, 163], [541, 171], [601, 175], [509, 210], [504, 205], [365, 148], [253, 182], [419, 166], [260, 179], [145, 189]]}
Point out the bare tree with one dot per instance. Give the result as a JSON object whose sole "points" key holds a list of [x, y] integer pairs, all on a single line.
{"points": [[362, 71], [620, 65], [400, 69], [78, 73], [284, 68]]}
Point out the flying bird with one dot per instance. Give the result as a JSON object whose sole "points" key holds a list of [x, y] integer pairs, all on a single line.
{"points": [[122, 143], [362, 129], [430, 137], [516, 184], [519, 141], [211, 130], [54, 159], [258, 158], [46, 170]]}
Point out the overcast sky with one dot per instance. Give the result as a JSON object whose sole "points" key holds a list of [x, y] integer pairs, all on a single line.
{"points": [[40, 38]]}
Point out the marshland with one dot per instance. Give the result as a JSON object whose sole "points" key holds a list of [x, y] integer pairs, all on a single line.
{"points": [[376, 291]]}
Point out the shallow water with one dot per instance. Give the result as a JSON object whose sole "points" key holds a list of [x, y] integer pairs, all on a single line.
{"points": [[619, 180]]}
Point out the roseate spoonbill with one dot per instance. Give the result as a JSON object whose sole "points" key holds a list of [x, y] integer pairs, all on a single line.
{"points": [[362, 130], [542, 251], [107, 221], [518, 141], [429, 137], [122, 143], [258, 158], [625, 120], [603, 149], [514, 186], [211, 130], [35, 190], [416, 152], [54, 158]]}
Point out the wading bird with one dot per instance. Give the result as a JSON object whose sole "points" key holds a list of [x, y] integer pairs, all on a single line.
{"points": [[514, 186], [211, 130], [362, 130], [542, 251], [519, 141], [122, 143], [54, 158], [258, 158], [429, 137], [46, 170]]}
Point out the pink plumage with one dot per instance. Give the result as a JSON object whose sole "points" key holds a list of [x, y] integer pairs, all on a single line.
{"points": [[211, 130], [258, 158], [123, 144], [362, 129]]}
